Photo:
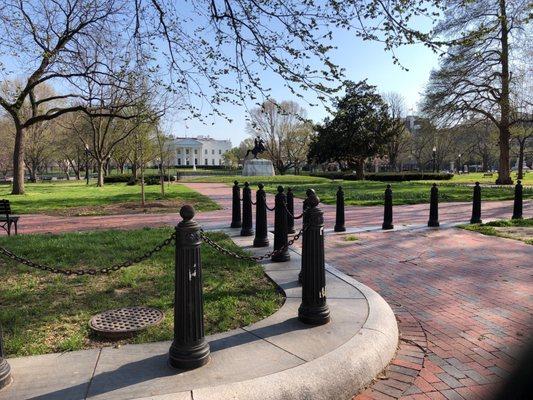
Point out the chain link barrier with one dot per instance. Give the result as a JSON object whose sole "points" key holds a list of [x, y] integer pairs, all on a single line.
{"points": [[288, 212], [230, 253], [92, 271]]}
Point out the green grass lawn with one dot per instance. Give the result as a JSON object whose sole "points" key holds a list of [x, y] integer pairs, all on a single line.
{"points": [[520, 229], [368, 193], [43, 313], [75, 198], [478, 177]]}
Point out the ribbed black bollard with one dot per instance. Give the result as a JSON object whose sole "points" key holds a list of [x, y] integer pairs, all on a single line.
{"points": [[476, 205], [280, 228], [189, 349], [247, 223], [387, 214], [434, 207], [236, 206], [517, 207], [314, 309], [290, 214], [5, 369], [261, 222], [339, 213]]}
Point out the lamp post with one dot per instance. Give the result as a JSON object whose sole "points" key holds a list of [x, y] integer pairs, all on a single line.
{"points": [[434, 158], [87, 154], [460, 166]]}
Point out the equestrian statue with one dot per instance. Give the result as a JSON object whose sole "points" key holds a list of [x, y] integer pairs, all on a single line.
{"points": [[259, 147]]}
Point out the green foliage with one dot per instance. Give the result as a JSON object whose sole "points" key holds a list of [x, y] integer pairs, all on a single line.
{"points": [[503, 228], [43, 313], [388, 176], [360, 127]]}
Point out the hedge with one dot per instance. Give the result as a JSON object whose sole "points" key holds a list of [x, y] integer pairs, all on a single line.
{"points": [[126, 178], [388, 176]]}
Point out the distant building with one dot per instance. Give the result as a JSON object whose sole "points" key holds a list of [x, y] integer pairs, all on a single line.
{"points": [[199, 151]]}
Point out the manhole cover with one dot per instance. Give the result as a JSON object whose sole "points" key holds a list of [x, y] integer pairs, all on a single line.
{"points": [[124, 322]]}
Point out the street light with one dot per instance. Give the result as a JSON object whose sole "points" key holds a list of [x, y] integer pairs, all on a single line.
{"points": [[460, 168], [434, 158]]}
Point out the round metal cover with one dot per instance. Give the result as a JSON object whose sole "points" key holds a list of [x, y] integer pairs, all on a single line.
{"points": [[124, 322]]}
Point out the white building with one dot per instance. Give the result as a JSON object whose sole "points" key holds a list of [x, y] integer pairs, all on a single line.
{"points": [[200, 151]]}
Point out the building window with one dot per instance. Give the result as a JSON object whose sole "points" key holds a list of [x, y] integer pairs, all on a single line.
{"points": [[205, 152], [195, 161], [179, 151], [213, 161], [187, 162], [206, 161], [220, 162], [186, 151], [179, 161], [195, 151], [219, 151], [213, 151]]}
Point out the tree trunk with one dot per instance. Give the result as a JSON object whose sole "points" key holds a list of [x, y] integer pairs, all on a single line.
{"points": [[521, 159], [100, 166], [504, 173], [143, 198], [360, 169], [18, 161]]}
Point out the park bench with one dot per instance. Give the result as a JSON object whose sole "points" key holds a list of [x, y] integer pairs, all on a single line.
{"points": [[6, 218], [488, 174]]}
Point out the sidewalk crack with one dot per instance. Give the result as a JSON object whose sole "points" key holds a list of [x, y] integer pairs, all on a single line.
{"points": [[92, 375]]}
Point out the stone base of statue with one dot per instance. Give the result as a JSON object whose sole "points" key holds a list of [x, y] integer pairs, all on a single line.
{"points": [[258, 167]]}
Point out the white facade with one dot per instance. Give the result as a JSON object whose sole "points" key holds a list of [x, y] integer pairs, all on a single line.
{"points": [[200, 151]]}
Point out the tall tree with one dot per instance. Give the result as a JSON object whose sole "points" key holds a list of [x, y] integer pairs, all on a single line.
{"points": [[399, 134], [61, 42], [475, 74], [360, 128], [282, 127]]}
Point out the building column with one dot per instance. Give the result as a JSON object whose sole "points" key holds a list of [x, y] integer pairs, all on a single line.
{"points": [[193, 160]]}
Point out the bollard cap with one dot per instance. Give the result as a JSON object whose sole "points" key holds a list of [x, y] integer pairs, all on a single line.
{"points": [[434, 185], [312, 198], [236, 183], [340, 188], [289, 189], [261, 186], [477, 183], [187, 212], [519, 182], [280, 189], [246, 184], [388, 186]]}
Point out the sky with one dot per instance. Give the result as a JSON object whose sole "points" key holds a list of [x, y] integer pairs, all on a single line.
{"points": [[361, 60]]}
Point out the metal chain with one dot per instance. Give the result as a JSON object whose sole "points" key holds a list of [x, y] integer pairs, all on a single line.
{"points": [[230, 253], [291, 214], [79, 272]]}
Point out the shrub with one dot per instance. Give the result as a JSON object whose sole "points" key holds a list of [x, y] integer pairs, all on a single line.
{"points": [[127, 178], [117, 178], [388, 176]]}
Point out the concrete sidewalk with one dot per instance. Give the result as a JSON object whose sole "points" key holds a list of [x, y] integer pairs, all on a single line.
{"points": [[276, 358]]}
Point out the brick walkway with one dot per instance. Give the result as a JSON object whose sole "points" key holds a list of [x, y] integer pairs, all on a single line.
{"points": [[463, 300]]}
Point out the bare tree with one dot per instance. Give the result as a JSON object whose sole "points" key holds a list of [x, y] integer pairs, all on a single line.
{"points": [[61, 42], [474, 78], [399, 140]]}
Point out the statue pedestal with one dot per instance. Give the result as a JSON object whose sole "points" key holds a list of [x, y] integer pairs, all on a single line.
{"points": [[258, 167]]}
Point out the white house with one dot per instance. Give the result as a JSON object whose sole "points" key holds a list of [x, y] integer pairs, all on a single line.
{"points": [[200, 151]]}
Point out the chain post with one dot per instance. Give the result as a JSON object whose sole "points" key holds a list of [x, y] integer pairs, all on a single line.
{"points": [[387, 213], [247, 223], [434, 207], [261, 222], [280, 229], [339, 212], [189, 348], [290, 209], [314, 309], [476, 205], [236, 206], [517, 206], [5, 369]]}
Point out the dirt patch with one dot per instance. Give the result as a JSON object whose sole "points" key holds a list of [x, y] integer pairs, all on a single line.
{"points": [[524, 233], [152, 207]]}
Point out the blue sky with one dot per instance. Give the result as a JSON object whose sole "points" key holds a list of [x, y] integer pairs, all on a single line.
{"points": [[360, 59]]}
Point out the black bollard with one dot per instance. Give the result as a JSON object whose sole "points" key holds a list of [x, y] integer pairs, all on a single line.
{"points": [[387, 214], [261, 223], [314, 309], [5, 369], [517, 208], [339, 214], [434, 207], [236, 206], [189, 349], [280, 228], [247, 223], [290, 214], [476, 205]]}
